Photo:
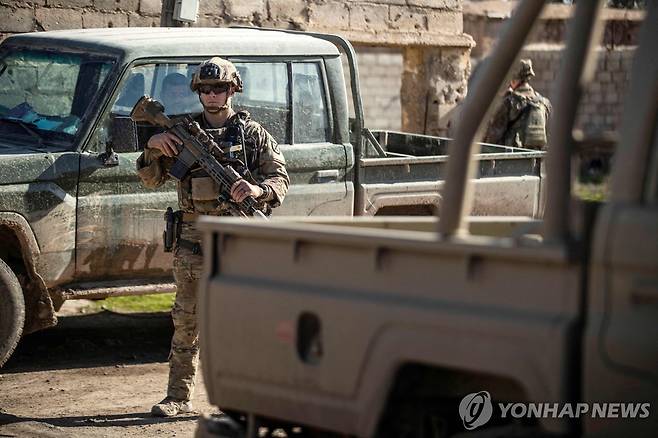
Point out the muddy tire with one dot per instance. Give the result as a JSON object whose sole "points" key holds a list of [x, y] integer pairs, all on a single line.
{"points": [[12, 312]]}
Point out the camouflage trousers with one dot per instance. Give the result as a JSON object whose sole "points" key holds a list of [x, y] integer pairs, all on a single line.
{"points": [[184, 353]]}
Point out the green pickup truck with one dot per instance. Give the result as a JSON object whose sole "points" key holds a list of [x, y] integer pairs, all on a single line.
{"points": [[75, 222]]}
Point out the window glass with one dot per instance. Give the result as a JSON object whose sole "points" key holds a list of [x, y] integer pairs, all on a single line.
{"points": [[311, 121], [167, 83], [45, 95], [265, 96]]}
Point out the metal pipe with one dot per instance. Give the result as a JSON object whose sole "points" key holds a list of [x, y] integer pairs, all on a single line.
{"points": [[575, 72], [456, 194], [639, 117]]}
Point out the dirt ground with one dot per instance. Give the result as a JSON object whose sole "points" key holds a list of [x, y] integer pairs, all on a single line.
{"points": [[94, 375]]}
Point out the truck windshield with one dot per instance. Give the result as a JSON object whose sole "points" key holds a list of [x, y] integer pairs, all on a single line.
{"points": [[45, 95]]}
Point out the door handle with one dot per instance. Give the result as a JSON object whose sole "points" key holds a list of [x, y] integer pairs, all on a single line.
{"points": [[323, 176]]}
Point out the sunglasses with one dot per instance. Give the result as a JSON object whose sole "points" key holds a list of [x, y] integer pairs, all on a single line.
{"points": [[217, 89]]}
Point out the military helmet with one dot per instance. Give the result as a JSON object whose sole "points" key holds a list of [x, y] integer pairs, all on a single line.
{"points": [[216, 71], [525, 71]]}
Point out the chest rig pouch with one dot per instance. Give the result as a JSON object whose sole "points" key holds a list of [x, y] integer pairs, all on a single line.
{"points": [[199, 192]]}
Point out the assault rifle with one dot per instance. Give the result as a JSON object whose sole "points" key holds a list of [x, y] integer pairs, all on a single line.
{"points": [[197, 148]]}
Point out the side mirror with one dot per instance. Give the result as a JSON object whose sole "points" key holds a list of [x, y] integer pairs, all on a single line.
{"points": [[123, 134], [123, 138]]}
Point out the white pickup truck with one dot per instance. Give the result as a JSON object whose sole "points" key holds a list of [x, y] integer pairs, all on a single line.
{"points": [[485, 327]]}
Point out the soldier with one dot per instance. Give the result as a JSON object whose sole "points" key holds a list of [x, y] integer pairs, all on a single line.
{"points": [[521, 118], [176, 96], [215, 82]]}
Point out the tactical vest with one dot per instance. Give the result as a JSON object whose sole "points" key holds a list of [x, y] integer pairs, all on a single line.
{"points": [[198, 192]]}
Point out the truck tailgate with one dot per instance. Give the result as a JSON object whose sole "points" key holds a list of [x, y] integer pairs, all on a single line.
{"points": [[303, 321]]}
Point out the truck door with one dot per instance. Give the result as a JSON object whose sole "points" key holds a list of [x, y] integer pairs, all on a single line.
{"points": [[120, 222], [281, 95], [631, 281]]}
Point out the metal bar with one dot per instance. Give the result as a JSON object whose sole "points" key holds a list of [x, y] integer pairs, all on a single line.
{"points": [[118, 291], [373, 141], [630, 172], [575, 72], [456, 195]]}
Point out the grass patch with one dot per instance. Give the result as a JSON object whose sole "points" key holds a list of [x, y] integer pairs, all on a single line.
{"points": [[137, 304], [591, 191]]}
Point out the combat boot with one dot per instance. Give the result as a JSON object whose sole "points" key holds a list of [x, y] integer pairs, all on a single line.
{"points": [[170, 407]]}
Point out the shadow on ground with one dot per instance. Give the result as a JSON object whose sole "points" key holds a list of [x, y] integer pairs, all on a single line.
{"points": [[99, 339], [135, 419]]}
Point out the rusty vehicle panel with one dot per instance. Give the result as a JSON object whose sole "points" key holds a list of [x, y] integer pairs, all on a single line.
{"points": [[383, 327]]}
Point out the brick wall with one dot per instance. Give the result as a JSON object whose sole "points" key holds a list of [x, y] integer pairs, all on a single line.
{"points": [[381, 71], [381, 22], [39, 15], [601, 106], [389, 24]]}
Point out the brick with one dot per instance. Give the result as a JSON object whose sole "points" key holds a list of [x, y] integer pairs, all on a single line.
{"points": [[329, 15], [369, 17], [384, 2], [117, 5], [245, 8], [211, 7], [445, 22], [151, 7], [407, 19], [53, 19], [16, 20], [211, 21], [619, 76], [70, 3], [101, 19], [452, 5], [136, 20], [288, 10]]}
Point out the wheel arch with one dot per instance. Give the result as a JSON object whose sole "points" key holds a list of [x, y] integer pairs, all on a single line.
{"points": [[512, 375], [21, 253]]}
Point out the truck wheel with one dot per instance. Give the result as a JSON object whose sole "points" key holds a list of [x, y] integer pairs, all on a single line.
{"points": [[12, 312]]}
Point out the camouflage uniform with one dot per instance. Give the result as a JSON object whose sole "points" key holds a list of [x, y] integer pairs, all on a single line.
{"points": [[511, 124], [197, 193]]}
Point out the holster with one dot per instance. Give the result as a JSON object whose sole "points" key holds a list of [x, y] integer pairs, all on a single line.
{"points": [[172, 228], [172, 232]]}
